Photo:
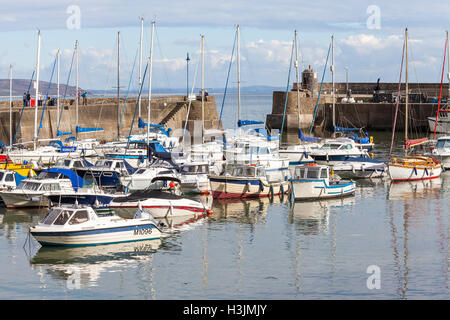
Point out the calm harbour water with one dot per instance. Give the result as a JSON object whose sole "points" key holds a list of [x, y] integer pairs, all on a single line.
{"points": [[256, 249]]}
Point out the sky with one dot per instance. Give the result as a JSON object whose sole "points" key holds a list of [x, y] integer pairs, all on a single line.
{"points": [[368, 40]]}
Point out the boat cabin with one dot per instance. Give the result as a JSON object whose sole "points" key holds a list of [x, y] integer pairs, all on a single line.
{"points": [[194, 168], [70, 163], [442, 143], [60, 216], [311, 172], [7, 179]]}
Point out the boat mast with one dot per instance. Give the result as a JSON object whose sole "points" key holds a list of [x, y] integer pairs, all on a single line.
{"points": [[332, 87], [118, 85], [203, 87], [37, 89], [57, 86], [406, 87], [10, 105], [297, 77], [238, 71], [150, 87], [76, 88], [448, 71], [140, 64]]}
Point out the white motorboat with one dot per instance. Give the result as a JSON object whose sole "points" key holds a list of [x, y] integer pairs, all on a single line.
{"points": [[312, 182], [299, 153], [31, 191], [160, 203], [142, 178], [360, 168], [81, 226], [335, 150], [441, 151]]}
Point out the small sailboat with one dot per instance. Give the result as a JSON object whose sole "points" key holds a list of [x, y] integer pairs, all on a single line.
{"points": [[248, 181], [82, 226], [312, 182], [412, 167]]}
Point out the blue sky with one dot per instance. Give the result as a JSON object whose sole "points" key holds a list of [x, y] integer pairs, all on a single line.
{"points": [[369, 50]]}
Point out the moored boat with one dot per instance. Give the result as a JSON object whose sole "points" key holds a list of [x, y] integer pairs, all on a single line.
{"points": [[247, 181], [312, 182], [81, 226]]}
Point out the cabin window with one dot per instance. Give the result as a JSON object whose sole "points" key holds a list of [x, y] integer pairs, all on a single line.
{"points": [[118, 165], [442, 144], [1, 175], [32, 186], [237, 171], [300, 172], [312, 174], [260, 172], [62, 218], [79, 217], [9, 177], [51, 216], [250, 172], [347, 146], [323, 173], [140, 171], [77, 164]]}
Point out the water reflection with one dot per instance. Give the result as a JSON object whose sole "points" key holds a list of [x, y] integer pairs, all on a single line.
{"points": [[243, 211], [408, 190], [81, 267], [312, 217]]}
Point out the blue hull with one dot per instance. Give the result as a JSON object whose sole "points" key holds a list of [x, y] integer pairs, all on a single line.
{"points": [[81, 199]]}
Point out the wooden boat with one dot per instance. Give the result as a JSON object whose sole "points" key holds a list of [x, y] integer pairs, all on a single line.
{"points": [[246, 181], [411, 167]]}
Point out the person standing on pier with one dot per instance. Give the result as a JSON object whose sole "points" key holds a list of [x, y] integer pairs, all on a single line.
{"points": [[25, 98], [84, 95], [28, 99]]}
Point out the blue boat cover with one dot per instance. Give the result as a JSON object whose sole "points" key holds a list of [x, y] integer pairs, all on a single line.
{"points": [[304, 138], [343, 129], [76, 180], [242, 123], [61, 133], [129, 168], [80, 129]]}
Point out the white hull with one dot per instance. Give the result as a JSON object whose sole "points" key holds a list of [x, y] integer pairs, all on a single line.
{"points": [[407, 173], [223, 188], [160, 208], [319, 189], [18, 200], [442, 127]]}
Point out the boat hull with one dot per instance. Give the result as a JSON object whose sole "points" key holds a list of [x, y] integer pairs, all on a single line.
{"points": [[443, 125], [224, 188], [137, 232], [399, 172], [160, 208], [23, 200], [319, 189]]}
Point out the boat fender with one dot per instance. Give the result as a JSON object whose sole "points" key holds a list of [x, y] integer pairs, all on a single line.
{"points": [[371, 139], [248, 186], [271, 191], [415, 171], [426, 171], [371, 155], [281, 189], [261, 186]]}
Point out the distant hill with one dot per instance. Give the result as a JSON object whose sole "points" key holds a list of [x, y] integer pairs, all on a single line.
{"points": [[20, 86]]}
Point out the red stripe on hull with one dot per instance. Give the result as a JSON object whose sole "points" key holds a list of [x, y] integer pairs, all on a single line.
{"points": [[229, 195], [415, 179]]}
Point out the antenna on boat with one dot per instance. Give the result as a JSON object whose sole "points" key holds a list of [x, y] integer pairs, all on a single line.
{"points": [[406, 88], [37, 89]]}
